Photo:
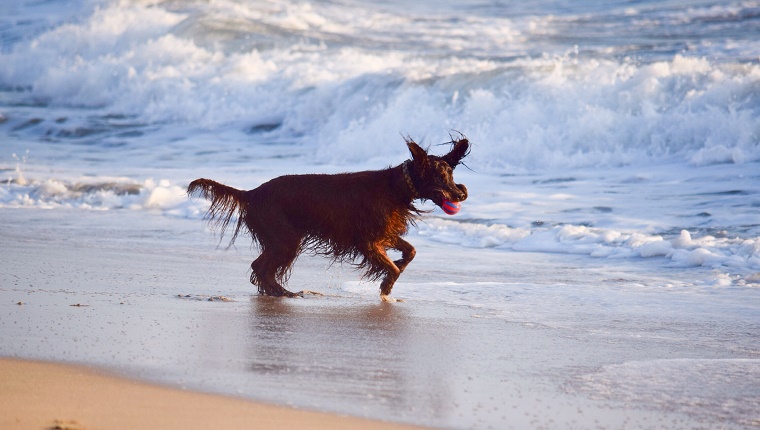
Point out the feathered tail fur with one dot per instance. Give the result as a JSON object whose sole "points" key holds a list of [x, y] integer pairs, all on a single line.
{"points": [[226, 203]]}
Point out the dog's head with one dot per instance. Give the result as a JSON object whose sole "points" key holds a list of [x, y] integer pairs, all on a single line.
{"points": [[433, 176]]}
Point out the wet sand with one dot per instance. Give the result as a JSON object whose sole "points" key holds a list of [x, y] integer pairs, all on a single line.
{"points": [[143, 302]]}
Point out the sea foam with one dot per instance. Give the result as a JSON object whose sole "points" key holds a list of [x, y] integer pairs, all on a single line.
{"points": [[348, 101]]}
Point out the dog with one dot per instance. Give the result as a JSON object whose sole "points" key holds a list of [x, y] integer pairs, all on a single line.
{"points": [[350, 217]]}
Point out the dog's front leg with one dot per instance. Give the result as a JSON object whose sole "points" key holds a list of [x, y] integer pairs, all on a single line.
{"points": [[407, 253], [380, 260], [387, 284]]}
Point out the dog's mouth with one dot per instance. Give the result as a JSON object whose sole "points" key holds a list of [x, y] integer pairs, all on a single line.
{"points": [[457, 196]]}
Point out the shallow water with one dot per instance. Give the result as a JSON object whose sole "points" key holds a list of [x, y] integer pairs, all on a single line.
{"points": [[559, 340]]}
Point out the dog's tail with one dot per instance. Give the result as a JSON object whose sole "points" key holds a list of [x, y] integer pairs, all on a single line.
{"points": [[226, 203]]}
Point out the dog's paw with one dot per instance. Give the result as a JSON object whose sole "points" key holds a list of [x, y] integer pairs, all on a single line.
{"points": [[388, 299], [304, 293]]}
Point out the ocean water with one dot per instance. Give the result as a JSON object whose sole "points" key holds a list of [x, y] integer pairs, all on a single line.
{"points": [[611, 129], [623, 136]]}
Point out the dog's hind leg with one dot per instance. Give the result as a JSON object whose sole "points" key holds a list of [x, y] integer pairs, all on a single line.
{"points": [[273, 265], [263, 271]]}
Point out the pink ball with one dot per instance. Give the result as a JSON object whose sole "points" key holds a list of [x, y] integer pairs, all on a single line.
{"points": [[451, 208]]}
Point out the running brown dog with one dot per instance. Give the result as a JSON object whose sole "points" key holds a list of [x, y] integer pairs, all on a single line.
{"points": [[350, 217]]}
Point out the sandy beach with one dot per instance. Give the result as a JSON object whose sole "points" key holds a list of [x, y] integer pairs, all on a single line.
{"points": [[120, 302], [36, 395]]}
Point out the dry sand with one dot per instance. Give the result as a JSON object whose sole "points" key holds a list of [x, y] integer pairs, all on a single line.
{"points": [[37, 395]]}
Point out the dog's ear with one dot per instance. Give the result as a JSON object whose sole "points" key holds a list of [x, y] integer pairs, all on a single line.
{"points": [[460, 150], [419, 156]]}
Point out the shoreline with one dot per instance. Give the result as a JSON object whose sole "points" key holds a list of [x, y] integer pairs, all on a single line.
{"points": [[40, 394], [577, 347]]}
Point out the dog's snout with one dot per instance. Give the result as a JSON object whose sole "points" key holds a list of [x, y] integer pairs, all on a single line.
{"points": [[462, 192]]}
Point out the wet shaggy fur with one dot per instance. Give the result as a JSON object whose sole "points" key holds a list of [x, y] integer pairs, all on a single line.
{"points": [[349, 217]]}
